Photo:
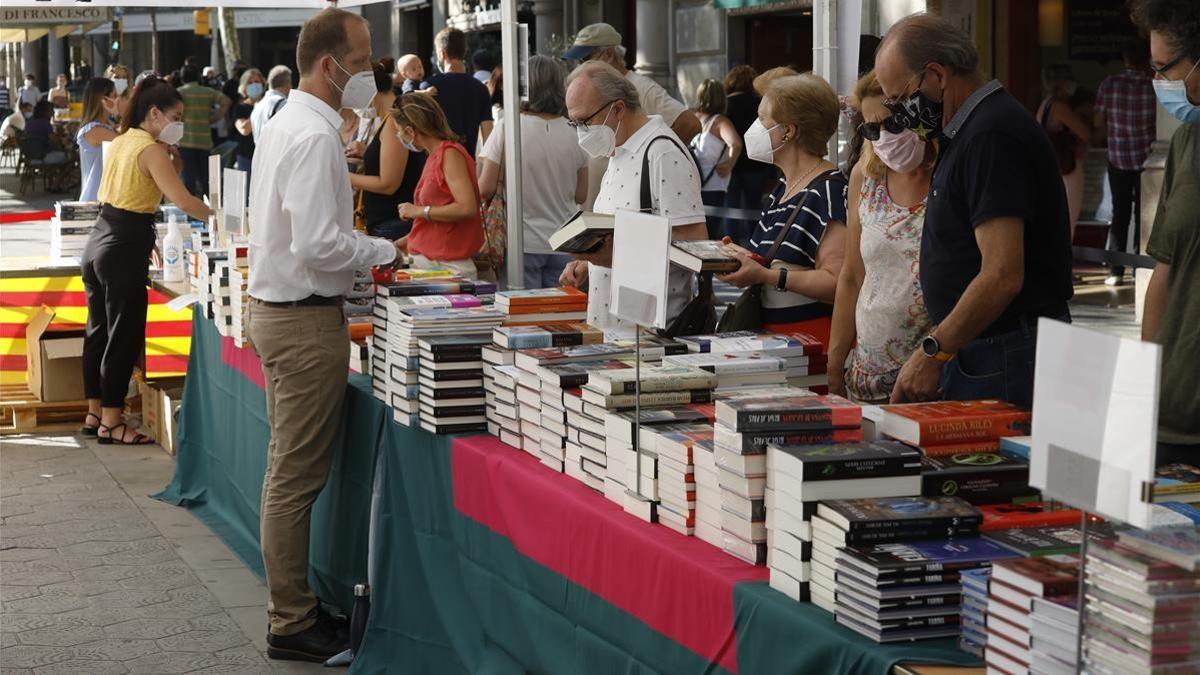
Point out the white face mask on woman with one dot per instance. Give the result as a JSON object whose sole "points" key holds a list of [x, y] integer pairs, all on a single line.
{"points": [[120, 84], [901, 152], [758, 143]]}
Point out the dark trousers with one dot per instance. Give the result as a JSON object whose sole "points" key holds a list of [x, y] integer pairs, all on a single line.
{"points": [[390, 229], [195, 170], [716, 226], [114, 282], [746, 190], [1126, 188], [997, 367]]}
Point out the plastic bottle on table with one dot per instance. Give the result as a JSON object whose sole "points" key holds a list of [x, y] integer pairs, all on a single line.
{"points": [[173, 252]]}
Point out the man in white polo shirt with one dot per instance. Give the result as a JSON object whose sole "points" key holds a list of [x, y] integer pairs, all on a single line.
{"points": [[604, 108]]}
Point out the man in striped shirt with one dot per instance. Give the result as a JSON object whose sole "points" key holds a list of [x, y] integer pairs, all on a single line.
{"points": [[1125, 115]]}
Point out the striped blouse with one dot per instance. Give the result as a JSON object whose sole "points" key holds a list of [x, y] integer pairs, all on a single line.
{"points": [[824, 201]]}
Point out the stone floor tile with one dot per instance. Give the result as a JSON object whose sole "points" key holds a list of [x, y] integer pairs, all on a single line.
{"points": [[11, 622], [207, 641], [205, 552], [31, 656], [78, 667], [170, 662], [116, 649], [235, 587], [60, 635], [46, 604]]}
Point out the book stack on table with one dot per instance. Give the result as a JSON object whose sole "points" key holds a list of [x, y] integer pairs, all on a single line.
{"points": [[542, 305], [1014, 586], [973, 636], [414, 322], [744, 473], [70, 227], [1054, 629], [360, 356], [945, 428], [500, 394], [631, 475], [204, 268], [674, 484], [1143, 603], [222, 298], [451, 382], [907, 590], [733, 357]]}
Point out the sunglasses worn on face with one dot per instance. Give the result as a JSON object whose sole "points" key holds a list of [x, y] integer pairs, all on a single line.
{"points": [[583, 123], [871, 130]]}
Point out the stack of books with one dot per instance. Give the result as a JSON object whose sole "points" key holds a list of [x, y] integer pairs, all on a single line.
{"points": [[631, 462], [1054, 629], [1142, 614], [407, 325], [500, 397], [943, 428], [804, 355], [70, 227], [737, 370], [1014, 585], [903, 591], [542, 305], [360, 356], [222, 298], [1177, 483], [973, 620], [204, 266], [673, 446], [239, 303], [360, 306], [744, 473], [451, 383]]}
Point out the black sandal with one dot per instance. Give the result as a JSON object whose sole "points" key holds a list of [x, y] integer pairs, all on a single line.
{"points": [[138, 439], [89, 430]]}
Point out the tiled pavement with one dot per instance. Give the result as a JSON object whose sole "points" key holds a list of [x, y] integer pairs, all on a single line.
{"points": [[97, 578]]}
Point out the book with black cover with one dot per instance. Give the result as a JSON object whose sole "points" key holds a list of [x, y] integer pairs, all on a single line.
{"points": [[936, 555], [900, 513], [977, 477], [1039, 541], [840, 461]]}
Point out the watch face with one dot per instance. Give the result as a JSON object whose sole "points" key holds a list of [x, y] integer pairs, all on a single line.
{"points": [[929, 345]]}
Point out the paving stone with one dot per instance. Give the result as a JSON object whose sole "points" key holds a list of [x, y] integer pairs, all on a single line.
{"points": [[31, 656], [149, 629], [61, 636], [46, 604], [20, 554], [16, 623], [31, 577], [106, 573], [8, 593], [102, 616], [171, 662], [116, 649], [129, 598], [218, 621], [76, 667]]}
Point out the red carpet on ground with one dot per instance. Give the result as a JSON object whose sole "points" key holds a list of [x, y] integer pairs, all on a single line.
{"points": [[26, 216]]}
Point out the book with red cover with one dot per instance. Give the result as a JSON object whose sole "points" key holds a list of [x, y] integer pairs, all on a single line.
{"points": [[1028, 514], [541, 297], [789, 413], [960, 448], [943, 422], [1041, 577]]}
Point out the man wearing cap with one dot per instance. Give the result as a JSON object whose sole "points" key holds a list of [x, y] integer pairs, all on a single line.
{"points": [[602, 42]]}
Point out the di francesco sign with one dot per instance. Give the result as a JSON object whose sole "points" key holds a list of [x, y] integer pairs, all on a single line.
{"points": [[52, 15]]}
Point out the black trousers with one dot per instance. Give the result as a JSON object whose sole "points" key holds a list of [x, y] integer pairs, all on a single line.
{"points": [[1126, 188], [195, 169], [114, 281]]}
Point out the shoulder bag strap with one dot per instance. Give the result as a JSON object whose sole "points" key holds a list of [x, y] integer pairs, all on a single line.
{"points": [[647, 203]]}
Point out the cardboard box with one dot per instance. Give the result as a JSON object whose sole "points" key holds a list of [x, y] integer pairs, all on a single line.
{"points": [[54, 358]]}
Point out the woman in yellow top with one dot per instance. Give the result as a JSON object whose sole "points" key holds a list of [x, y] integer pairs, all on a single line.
{"points": [[138, 171]]}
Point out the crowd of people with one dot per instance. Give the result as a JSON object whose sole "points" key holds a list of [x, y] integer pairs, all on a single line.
{"points": [[925, 264]]}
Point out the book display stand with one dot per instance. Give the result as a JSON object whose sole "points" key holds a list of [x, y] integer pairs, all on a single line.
{"points": [[1095, 413]]}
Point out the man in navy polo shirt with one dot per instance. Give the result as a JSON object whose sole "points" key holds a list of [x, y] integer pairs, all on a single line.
{"points": [[996, 249]]}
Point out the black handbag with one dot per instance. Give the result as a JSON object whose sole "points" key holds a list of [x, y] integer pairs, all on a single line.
{"points": [[699, 316], [745, 313]]}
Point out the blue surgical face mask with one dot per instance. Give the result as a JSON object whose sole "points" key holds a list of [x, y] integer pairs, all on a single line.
{"points": [[1172, 94], [410, 145], [254, 90]]}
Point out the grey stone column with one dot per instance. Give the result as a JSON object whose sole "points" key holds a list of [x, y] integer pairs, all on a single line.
{"points": [[653, 42], [56, 56], [548, 18]]}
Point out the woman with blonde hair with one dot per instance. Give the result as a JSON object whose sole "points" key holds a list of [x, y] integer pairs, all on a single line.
{"points": [[879, 317], [447, 228], [716, 149], [796, 249]]}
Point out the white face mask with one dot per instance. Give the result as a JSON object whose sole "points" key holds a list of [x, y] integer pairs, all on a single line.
{"points": [[120, 84], [172, 133], [359, 89], [599, 140], [758, 143]]}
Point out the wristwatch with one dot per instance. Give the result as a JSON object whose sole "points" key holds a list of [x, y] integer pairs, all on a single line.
{"points": [[933, 349], [782, 283]]}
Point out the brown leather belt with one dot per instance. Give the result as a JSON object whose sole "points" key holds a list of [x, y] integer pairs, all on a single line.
{"points": [[310, 301]]}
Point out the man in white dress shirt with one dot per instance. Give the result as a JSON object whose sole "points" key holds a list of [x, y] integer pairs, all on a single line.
{"points": [[303, 252], [604, 108]]}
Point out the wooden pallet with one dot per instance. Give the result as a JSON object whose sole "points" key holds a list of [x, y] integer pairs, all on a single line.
{"points": [[22, 413]]}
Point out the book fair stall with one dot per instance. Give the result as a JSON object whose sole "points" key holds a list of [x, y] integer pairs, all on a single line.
{"points": [[516, 490]]}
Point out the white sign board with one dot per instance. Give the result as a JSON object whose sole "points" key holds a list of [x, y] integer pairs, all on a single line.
{"points": [[1095, 417], [233, 202], [641, 261]]}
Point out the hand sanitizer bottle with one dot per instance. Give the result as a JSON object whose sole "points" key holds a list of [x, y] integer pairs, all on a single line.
{"points": [[172, 252]]}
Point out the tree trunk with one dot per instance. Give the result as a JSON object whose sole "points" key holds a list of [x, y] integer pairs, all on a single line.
{"points": [[154, 40], [229, 38]]}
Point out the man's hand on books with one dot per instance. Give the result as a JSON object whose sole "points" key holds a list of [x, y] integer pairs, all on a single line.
{"points": [[918, 380], [575, 274]]}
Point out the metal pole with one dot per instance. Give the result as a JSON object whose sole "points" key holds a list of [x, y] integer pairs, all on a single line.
{"points": [[1081, 602], [511, 51], [637, 411]]}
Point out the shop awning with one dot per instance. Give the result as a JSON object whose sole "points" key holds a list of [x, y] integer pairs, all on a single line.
{"points": [[742, 4], [26, 24]]}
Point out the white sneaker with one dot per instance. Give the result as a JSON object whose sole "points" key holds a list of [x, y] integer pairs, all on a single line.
{"points": [[1113, 280]]}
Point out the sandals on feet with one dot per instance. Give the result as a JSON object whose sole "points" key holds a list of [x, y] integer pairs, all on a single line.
{"points": [[87, 429], [111, 439]]}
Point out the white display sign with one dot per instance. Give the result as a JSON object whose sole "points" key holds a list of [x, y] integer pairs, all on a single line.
{"points": [[1095, 418], [233, 202], [641, 262]]}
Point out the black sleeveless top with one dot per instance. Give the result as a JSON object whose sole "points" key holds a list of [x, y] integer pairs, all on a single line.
{"points": [[379, 208]]}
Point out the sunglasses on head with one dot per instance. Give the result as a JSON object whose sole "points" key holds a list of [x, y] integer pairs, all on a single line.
{"points": [[871, 130]]}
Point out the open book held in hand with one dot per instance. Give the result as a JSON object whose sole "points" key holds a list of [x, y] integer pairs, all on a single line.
{"points": [[584, 232], [704, 255]]}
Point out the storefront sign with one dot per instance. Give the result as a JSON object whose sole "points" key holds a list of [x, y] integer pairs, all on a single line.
{"points": [[53, 15], [1096, 30]]}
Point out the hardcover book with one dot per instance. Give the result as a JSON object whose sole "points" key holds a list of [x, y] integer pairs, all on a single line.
{"points": [[564, 295], [941, 422], [564, 334], [839, 461], [935, 555], [1025, 514], [1041, 541], [582, 233], [654, 378], [1042, 577], [755, 443], [900, 513], [978, 477], [1178, 545]]}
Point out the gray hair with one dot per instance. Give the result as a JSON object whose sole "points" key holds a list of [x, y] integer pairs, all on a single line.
{"points": [[245, 81], [922, 39], [547, 93], [610, 84], [279, 77]]}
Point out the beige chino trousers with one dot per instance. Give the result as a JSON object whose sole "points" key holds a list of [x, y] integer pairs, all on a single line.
{"points": [[305, 359]]}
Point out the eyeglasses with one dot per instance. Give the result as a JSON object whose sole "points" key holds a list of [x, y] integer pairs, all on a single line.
{"points": [[896, 103], [583, 123], [1162, 72], [871, 130]]}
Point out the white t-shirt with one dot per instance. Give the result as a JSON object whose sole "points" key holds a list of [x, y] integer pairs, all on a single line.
{"points": [[674, 193], [550, 162], [654, 99], [13, 123]]}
